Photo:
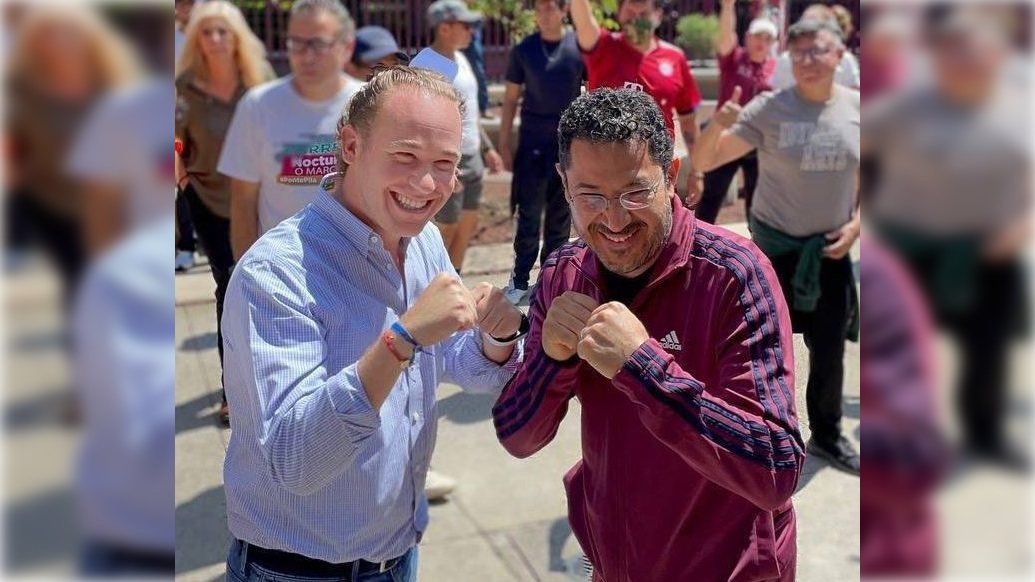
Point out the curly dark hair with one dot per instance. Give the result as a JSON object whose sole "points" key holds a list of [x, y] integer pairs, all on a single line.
{"points": [[616, 115]]}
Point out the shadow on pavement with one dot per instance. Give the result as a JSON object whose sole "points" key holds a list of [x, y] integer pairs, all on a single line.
{"points": [[463, 408], [48, 407], [41, 531], [202, 537], [200, 343], [560, 530], [189, 415]]}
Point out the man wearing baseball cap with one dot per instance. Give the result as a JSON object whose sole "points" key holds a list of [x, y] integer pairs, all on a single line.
{"points": [[375, 45], [452, 25], [751, 68]]}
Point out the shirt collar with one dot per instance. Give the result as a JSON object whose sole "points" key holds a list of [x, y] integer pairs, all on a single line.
{"points": [[359, 235]]}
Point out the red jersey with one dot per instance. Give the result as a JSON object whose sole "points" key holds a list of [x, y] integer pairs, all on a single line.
{"points": [[691, 453], [662, 72], [753, 78]]}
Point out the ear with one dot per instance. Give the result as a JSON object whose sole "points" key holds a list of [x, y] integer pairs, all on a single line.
{"points": [[673, 176], [348, 48], [348, 142]]}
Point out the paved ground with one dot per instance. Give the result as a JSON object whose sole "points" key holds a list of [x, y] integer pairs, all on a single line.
{"points": [[507, 518]]}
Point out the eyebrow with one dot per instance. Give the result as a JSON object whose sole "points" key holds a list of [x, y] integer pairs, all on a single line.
{"points": [[410, 144], [639, 182]]}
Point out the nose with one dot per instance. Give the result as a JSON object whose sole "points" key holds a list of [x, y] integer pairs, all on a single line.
{"points": [[424, 183], [616, 217]]}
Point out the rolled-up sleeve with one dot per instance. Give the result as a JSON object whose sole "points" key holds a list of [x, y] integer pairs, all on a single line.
{"points": [[309, 423]]}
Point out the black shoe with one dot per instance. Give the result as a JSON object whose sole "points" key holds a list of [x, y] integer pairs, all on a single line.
{"points": [[1000, 457], [840, 454]]}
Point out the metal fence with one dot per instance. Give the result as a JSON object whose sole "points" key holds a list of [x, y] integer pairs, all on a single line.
{"points": [[405, 18]]}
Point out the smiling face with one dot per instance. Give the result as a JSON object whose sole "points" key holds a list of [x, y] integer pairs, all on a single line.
{"points": [[815, 58], [627, 242], [404, 163]]}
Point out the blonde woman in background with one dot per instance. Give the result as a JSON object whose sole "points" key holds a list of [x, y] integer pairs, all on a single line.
{"points": [[221, 60], [63, 60]]}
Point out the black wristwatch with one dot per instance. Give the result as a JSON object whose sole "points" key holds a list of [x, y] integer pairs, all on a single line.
{"points": [[520, 333]]}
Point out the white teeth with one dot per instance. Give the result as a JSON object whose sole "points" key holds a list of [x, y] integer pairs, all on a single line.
{"points": [[410, 203], [614, 238]]}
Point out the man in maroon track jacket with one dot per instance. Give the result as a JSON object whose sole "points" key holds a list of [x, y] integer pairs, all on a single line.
{"points": [[675, 337]]}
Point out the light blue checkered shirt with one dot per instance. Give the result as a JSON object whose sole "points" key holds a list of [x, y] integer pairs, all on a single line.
{"points": [[310, 467]]}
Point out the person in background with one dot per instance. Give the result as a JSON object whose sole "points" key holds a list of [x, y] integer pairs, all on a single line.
{"points": [[375, 46], [475, 53], [751, 68], [221, 60], [636, 55], [451, 24], [281, 140], [954, 203], [545, 75], [63, 62], [186, 244], [806, 214], [847, 74]]}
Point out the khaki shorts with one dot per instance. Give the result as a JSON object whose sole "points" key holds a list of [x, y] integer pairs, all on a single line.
{"points": [[470, 196]]}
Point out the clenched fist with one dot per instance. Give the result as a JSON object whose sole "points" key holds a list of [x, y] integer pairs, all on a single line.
{"points": [[564, 322], [611, 335], [445, 307], [496, 316]]}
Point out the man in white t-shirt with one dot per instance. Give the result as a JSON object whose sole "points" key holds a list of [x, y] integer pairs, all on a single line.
{"points": [[452, 22], [281, 141]]}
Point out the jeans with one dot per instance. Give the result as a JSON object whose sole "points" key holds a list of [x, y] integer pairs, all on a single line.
{"points": [[536, 189], [102, 560], [239, 569]]}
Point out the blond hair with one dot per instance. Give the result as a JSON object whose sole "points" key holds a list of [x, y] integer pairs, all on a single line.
{"points": [[249, 51], [114, 62], [364, 105]]}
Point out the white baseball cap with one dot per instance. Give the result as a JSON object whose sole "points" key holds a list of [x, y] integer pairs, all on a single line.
{"points": [[763, 26]]}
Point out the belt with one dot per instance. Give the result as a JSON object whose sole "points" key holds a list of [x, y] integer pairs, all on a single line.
{"points": [[299, 565]]}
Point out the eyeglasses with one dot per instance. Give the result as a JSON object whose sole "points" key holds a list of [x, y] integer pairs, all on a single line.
{"points": [[598, 203], [798, 56], [319, 46]]}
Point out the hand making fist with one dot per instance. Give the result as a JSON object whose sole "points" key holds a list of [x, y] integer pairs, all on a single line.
{"points": [[565, 319], [611, 335]]}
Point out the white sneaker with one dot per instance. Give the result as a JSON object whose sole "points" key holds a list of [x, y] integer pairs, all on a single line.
{"points": [[184, 260], [438, 485], [514, 294]]}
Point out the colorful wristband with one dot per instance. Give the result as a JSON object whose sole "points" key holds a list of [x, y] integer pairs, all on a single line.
{"points": [[401, 332]]}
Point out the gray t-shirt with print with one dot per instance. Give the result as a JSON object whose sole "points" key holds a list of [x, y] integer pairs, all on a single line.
{"points": [[808, 159]]}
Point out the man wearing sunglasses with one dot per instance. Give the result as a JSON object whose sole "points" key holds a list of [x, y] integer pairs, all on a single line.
{"points": [[805, 214], [674, 337], [281, 141]]}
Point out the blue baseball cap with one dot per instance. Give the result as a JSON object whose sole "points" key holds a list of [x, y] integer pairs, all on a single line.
{"points": [[374, 43]]}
